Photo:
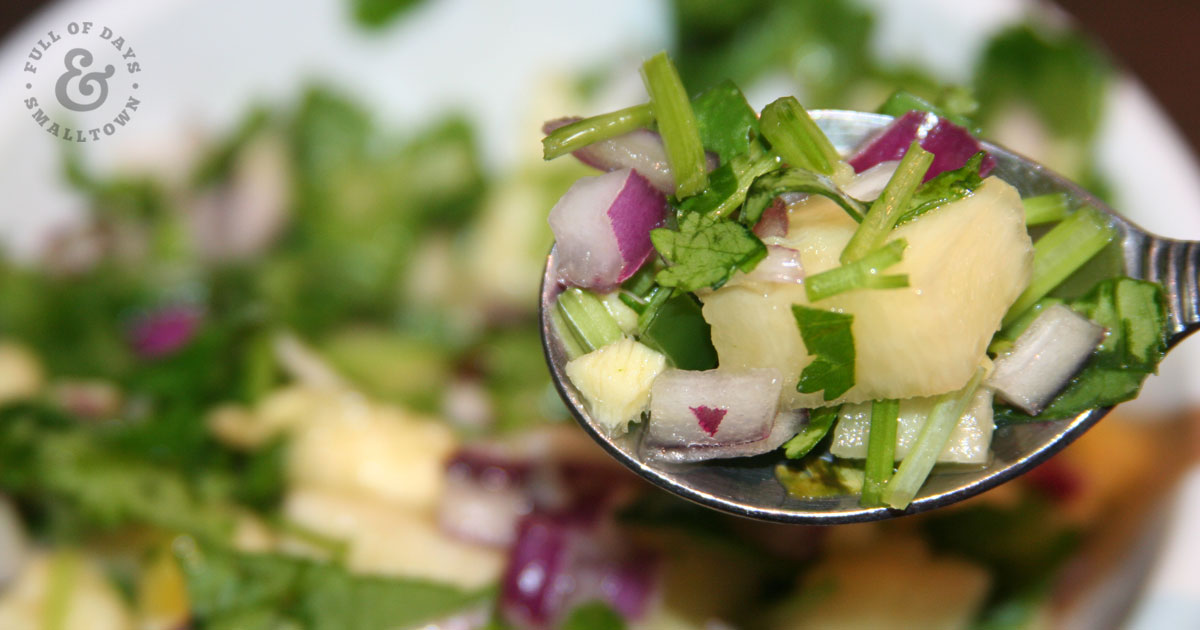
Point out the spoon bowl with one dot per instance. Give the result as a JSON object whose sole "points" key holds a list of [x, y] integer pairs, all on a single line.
{"points": [[748, 487]]}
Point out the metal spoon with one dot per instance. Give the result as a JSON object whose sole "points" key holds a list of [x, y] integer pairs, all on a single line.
{"points": [[747, 487]]}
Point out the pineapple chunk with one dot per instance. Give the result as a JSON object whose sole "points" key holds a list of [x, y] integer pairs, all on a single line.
{"points": [[969, 443], [615, 381], [966, 263]]}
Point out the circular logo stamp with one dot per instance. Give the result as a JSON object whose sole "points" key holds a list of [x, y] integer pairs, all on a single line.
{"points": [[81, 82]]}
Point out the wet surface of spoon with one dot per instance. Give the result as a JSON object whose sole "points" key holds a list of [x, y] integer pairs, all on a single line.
{"points": [[748, 487]]}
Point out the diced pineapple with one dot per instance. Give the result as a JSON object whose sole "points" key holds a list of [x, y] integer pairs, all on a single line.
{"points": [[966, 263], [615, 381], [969, 442]]}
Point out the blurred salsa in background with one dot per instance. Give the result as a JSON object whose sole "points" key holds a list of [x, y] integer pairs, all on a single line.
{"points": [[296, 382]]}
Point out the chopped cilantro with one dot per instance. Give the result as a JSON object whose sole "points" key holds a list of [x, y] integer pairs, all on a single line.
{"points": [[729, 184], [1134, 314], [820, 421], [944, 188], [828, 338], [766, 188], [796, 138], [705, 252], [860, 274], [891, 204], [726, 120]]}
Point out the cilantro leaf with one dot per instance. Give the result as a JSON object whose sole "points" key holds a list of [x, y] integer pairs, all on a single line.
{"points": [[726, 120], [766, 188], [827, 336], [944, 188], [1134, 314], [729, 183], [705, 252], [229, 589], [820, 421]]}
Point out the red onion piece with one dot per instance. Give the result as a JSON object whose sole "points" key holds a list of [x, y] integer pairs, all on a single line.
{"points": [[475, 510], [950, 144], [785, 425], [164, 331], [641, 150], [557, 564], [1044, 358], [713, 407], [869, 184], [774, 220], [951, 147], [602, 228], [781, 266], [890, 144], [490, 487]]}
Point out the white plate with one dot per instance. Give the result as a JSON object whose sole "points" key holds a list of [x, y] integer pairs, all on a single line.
{"points": [[205, 61]]}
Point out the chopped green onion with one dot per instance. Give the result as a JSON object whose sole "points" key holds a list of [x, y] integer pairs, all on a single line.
{"points": [[881, 450], [890, 205], [930, 442], [595, 129], [677, 125], [1061, 252], [860, 274], [585, 317], [796, 137], [820, 421], [1046, 208]]}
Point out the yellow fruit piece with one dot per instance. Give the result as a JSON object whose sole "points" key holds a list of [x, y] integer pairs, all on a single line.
{"points": [[615, 381], [966, 263]]}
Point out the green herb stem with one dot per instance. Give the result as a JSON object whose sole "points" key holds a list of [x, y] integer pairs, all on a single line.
{"points": [[1061, 252], [930, 442], [1046, 208], [860, 274], [881, 450], [677, 125], [820, 421], [890, 205], [796, 137], [584, 316], [581, 133]]}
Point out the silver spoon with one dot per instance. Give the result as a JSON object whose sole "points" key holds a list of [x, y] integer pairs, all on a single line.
{"points": [[748, 487]]}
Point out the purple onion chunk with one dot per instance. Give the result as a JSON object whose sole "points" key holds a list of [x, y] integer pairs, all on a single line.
{"points": [[785, 425], [602, 228], [558, 563], [713, 407], [641, 150], [1044, 359], [950, 144], [890, 144], [164, 331]]}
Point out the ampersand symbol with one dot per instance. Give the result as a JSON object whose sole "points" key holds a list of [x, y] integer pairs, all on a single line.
{"points": [[86, 84]]}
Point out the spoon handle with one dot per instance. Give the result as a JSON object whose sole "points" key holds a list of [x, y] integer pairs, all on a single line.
{"points": [[1176, 266]]}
